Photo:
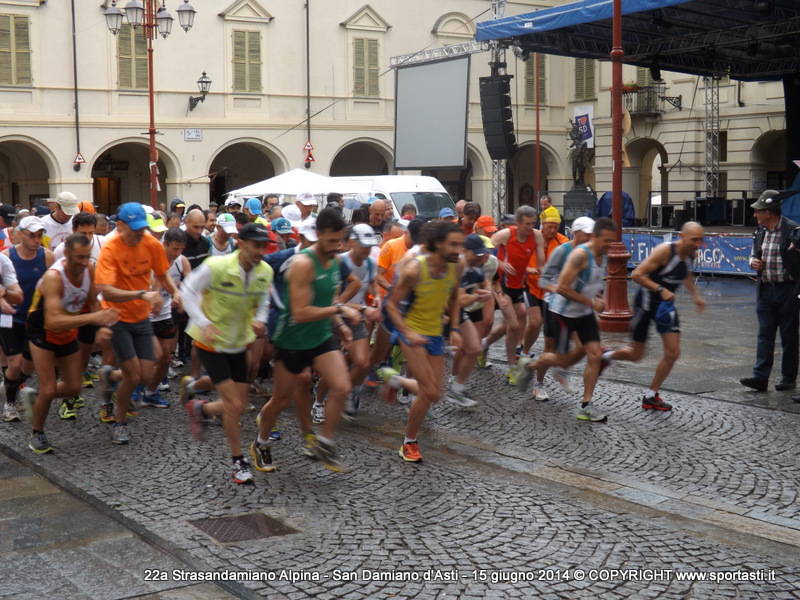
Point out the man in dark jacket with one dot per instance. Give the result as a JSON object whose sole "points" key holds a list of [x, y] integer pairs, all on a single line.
{"points": [[777, 262]]}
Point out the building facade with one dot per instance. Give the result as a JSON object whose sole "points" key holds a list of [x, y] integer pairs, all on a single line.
{"points": [[251, 124]]}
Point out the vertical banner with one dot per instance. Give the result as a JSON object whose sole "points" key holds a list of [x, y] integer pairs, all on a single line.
{"points": [[583, 114]]}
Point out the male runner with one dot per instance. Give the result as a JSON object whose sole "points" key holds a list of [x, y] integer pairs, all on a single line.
{"points": [[431, 283], [305, 339], [57, 310], [222, 240], [10, 293], [57, 226], [227, 299], [659, 277]]}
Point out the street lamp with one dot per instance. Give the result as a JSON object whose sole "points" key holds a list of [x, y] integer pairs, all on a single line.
{"points": [[156, 20], [203, 84]]}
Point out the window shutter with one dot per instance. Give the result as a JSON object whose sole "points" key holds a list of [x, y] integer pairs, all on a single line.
{"points": [[125, 57], [22, 51], [643, 76], [530, 97], [239, 61], [372, 68], [140, 59], [588, 86], [541, 79], [253, 61], [359, 68], [579, 78], [6, 56]]}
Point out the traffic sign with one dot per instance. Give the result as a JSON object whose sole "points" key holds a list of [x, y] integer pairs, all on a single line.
{"points": [[308, 147], [79, 160]]}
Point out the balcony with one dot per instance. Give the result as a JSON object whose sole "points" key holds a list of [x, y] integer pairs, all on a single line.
{"points": [[648, 100]]}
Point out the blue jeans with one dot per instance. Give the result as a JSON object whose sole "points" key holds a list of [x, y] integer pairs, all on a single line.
{"points": [[777, 308]]}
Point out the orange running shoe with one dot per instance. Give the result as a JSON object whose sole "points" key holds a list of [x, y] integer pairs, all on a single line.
{"points": [[410, 452]]}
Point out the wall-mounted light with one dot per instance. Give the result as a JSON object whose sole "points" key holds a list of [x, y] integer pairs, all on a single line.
{"points": [[204, 85]]}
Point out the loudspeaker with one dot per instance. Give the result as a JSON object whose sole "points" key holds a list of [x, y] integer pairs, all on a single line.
{"points": [[679, 217], [661, 216], [498, 126]]}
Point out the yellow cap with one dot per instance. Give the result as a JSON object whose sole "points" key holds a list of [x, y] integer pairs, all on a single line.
{"points": [[550, 215], [156, 224]]}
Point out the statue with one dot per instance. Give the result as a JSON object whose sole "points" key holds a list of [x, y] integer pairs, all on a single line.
{"points": [[579, 154]]}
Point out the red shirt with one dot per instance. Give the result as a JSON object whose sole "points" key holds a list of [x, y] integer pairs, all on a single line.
{"points": [[518, 255]]}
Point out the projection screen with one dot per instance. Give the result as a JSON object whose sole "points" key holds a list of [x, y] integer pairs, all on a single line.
{"points": [[430, 125]]}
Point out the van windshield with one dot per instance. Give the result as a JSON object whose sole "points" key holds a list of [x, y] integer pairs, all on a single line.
{"points": [[428, 203]]}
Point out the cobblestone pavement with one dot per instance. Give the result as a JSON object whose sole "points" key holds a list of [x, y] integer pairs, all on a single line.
{"points": [[477, 505]]}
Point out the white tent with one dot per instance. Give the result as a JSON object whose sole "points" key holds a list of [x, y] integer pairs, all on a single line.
{"points": [[296, 181]]}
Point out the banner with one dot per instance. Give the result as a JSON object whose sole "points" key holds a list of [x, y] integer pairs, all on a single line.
{"points": [[583, 115], [721, 254]]}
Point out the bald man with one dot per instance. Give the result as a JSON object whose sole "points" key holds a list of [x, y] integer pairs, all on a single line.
{"points": [[197, 245], [659, 277], [460, 209], [377, 216]]}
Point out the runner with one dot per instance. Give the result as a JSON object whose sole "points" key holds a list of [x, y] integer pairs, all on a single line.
{"points": [[304, 339], [579, 287], [515, 247], [659, 277], [58, 308], [86, 224], [227, 299], [222, 240], [10, 293], [123, 275], [433, 280], [30, 262], [58, 226]]}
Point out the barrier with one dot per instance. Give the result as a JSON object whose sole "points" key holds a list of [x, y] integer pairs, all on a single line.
{"points": [[723, 254]]}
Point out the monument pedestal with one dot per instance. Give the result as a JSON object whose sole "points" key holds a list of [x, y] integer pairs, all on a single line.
{"points": [[578, 202]]}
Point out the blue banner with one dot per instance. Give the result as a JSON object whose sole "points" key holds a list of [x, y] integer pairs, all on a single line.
{"points": [[722, 254]]}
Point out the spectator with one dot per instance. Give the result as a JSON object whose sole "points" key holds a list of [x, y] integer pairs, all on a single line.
{"points": [[270, 202], [307, 203], [447, 214], [408, 212], [460, 208], [377, 216], [469, 214], [177, 206]]}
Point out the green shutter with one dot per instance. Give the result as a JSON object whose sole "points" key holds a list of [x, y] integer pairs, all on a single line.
{"points": [[359, 68], [372, 68], [643, 76], [239, 61], [22, 51], [253, 61], [140, 60], [589, 79], [6, 56], [125, 57], [542, 79], [579, 78], [530, 97]]}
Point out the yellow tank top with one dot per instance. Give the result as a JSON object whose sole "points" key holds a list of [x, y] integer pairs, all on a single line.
{"points": [[431, 294]]}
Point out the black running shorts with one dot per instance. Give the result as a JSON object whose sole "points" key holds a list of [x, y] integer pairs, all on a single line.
{"points": [[221, 367], [297, 361]]}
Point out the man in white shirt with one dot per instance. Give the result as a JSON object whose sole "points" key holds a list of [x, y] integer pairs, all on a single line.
{"points": [[58, 224], [86, 224]]}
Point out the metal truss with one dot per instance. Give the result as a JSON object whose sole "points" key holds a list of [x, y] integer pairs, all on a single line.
{"points": [[433, 54], [712, 125]]}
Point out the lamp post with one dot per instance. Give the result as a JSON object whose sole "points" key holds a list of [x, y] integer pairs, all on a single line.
{"points": [[617, 314], [156, 20], [204, 85]]}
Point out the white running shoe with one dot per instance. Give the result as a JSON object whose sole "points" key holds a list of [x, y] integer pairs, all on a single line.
{"points": [[562, 378], [318, 413], [539, 393], [10, 413]]}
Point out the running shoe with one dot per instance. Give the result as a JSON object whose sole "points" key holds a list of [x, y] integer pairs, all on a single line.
{"points": [[39, 443], [119, 434], [67, 409], [351, 406], [10, 413], [396, 358], [87, 381], [197, 420], [460, 399], [309, 441], [327, 455], [539, 393], [275, 433], [242, 475], [519, 351], [106, 413], [79, 401], [171, 373], [137, 397], [404, 398], [562, 378], [386, 373], [106, 385], [27, 397], [164, 385], [590, 415], [262, 457], [371, 380], [317, 413], [655, 403], [511, 376], [604, 362], [184, 393], [155, 400], [523, 375], [410, 452], [483, 360], [176, 363]]}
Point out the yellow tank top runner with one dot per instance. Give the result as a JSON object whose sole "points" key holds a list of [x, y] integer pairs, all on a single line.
{"points": [[430, 299]]}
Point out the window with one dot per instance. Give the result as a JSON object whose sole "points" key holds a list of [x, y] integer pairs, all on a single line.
{"points": [[15, 50], [584, 79], [530, 65], [246, 61], [132, 58], [643, 77], [365, 67], [723, 146]]}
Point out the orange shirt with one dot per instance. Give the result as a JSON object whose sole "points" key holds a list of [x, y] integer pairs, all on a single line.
{"points": [[533, 280], [391, 254], [128, 268]]}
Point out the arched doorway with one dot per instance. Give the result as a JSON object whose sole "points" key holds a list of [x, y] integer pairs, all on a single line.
{"points": [[522, 172], [24, 174], [240, 164], [646, 174], [769, 163], [121, 175], [361, 158]]}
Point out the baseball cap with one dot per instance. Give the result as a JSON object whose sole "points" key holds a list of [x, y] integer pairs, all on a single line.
{"points": [[486, 223], [233, 200], [447, 213], [308, 229], [254, 232], [68, 202], [767, 199], [7, 211], [31, 223], [87, 207], [253, 205], [41, 211], [282, 226], [133, 215], [307, 199], [156, 224], [474, 242], [584, 224], [227, 222], [550, 215], [292, 213], [364, 235]]}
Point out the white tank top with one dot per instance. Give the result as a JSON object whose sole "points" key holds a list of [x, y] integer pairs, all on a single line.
{"points": [[177, 275], [74, 298]]}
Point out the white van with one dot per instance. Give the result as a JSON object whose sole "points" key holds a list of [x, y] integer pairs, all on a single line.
{"points": [[426, 193]]}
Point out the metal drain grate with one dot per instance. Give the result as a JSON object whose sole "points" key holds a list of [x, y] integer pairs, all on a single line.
{"points": [[253, 526]]}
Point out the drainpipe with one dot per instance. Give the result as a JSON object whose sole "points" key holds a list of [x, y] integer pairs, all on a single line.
{"points": [[308, 75], [77, 165]]}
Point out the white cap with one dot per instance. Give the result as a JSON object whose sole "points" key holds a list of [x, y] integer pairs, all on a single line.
{"points": [[292, 213], [234, 200], [31, 223], [364, 235], [308, 229], [584, 224], [68, 203], [148, 210], [227, 222], [307, 199]]}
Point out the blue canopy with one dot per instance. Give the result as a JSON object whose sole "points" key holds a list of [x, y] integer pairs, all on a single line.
{"points": [[604, 205]]}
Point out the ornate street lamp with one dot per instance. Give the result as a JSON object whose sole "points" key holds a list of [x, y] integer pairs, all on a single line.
{"points": [[204, 85], [186, 13], [134, 12], [164, 21]]}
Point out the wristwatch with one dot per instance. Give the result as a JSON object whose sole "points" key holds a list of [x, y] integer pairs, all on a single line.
{"points": [[659, 289], [338, 308], [141, 294]]}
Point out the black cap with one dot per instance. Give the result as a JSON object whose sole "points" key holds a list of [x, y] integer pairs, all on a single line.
{"points": [[41, 211], [475, 243], [7, 212], [254, 232]]}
